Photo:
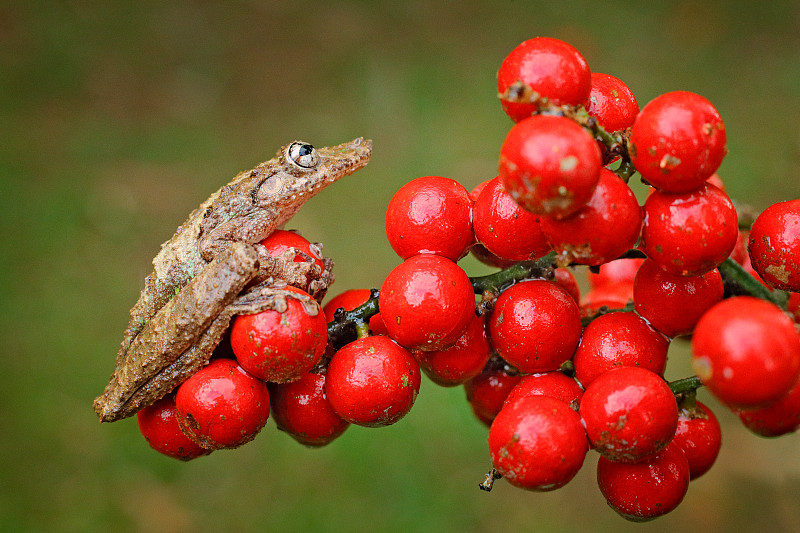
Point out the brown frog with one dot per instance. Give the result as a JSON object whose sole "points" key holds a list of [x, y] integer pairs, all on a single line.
{"points": [[213, 268]]}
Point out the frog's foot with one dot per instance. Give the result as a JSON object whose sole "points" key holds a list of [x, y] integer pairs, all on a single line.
{"points": [[296, 268]]}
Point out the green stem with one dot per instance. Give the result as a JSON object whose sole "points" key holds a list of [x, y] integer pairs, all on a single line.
{"points": [[541, 267], [740, 282], [685, 385], [585, 321], [347, 326]]}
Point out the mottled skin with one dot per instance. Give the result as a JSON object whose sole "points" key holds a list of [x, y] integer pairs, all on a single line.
{"points": [[213, 268]]}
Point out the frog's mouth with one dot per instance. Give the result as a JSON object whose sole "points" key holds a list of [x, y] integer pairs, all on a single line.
{"points": [[346, 158]]}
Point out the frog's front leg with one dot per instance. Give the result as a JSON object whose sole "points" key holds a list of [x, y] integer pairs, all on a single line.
{"points": [[177, 326]]}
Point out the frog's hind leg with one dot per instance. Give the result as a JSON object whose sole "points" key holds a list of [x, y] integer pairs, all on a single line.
{"points": [[179, 324]]}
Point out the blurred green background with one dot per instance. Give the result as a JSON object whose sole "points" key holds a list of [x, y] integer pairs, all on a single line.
{"points": [[118, 118]]}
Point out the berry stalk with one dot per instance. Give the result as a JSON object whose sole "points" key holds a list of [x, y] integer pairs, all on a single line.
{"points": [[740, 282]]}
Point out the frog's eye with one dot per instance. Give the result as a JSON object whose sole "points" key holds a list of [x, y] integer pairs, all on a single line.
{"points": [[303, 155]]}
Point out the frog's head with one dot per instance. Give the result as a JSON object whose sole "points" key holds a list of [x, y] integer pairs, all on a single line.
{"points": [[303, 171]]}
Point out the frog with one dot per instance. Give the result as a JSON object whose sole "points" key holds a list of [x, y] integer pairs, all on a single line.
{"points": [[214, 268]]}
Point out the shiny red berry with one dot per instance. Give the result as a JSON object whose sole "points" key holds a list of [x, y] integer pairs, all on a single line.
{"points": [[159, 426], [618, 270], [643, 491], [553, 384], [611, 296], [629, 413], [372, 382], [691, 233], [504, 228], [612, 102], [281, 240], [535, 326], [487, 391], [699, 436], [537, 443], [427, 302], [746, 351], [222, 406], [778, 418], [552, 68], [774, 245], [602, 230], [677, 141], [673, 304], [431, 215], [550, 165], [280, 346], [619, 339], [302, 410], [461, 362]]}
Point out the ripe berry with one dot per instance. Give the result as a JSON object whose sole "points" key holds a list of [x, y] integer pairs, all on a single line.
{"points": [[302, 410], [673, 304], [776, 419], [431, 215], [700, 438], [619, 339], [535, 326], [552, 68], [504, 228], [689, 234], [281, 240], [537, 443], [643, 491], [774, 245], [550, 165], [677, 141], [427, 302], [280, 347], [612, 102], [349, 300], [462, 361], [629, 413], [746, 351], [159, 426], [222, 406], [612, 296], [564, 278], [602, 230], [553, 384], [618, 270], [372, 381], [487, 391]]}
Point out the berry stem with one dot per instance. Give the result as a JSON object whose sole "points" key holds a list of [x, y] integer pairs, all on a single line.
{"points": [[539, 268], [604, 310], [347, 326], [685, 385], [739, 282]]}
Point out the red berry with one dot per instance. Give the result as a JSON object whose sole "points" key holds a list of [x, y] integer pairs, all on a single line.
{"points": [[746, 351], [431, 215], [427, 302], [689, 234], [372, 381], [302, 410], [612, 102], [564, 278], [462, 361], [776, 419], [550, 165], [643, 491], [537, 443], [673, 304], [349, 300], [504, 228], [700, 438], [281, 240], [774, 245], [487, 391], [602, 230], [535, 326], [553, 384], [612, 296], [280, 347], [222, 406], [629, 413], [552, 68], [677, 141], [619, 339], [618, 270], [159, 426]]}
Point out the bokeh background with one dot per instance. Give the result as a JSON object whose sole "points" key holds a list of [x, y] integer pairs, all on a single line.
{"points": [[118, 118]]}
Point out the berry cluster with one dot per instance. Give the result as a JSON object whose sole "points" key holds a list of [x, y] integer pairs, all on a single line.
{"points": [[552, 373]]}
